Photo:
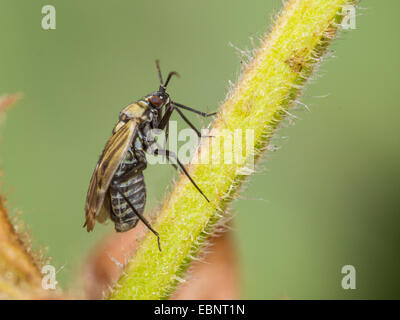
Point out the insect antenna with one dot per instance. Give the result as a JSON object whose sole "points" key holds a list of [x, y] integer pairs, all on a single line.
{"points": [[172, 73], [159, 72], [143, 219]]}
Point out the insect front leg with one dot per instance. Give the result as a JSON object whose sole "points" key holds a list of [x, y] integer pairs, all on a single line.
{"points": [[174, 106], [165, 118], [172, 156], [203, 114]]}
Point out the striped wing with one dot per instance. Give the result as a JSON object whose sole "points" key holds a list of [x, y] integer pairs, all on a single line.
{"points": [[110, 159]]}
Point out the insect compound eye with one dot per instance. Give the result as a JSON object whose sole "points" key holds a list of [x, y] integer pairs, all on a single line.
{"points": [[156, 101]]}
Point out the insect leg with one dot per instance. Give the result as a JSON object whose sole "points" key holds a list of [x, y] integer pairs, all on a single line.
{"points": [[203, 114], [165, 125], [169, 155], [188, 122], [165, 119], [143, 219]]}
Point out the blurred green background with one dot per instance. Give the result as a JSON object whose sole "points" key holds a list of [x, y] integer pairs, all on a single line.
{"points": [[329, 196]]}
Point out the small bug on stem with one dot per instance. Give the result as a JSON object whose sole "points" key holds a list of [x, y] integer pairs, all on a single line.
{"points": [[117, 189]]}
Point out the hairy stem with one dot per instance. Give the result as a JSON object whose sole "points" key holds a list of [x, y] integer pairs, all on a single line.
{"points": [[259, 102], [19, 275]]}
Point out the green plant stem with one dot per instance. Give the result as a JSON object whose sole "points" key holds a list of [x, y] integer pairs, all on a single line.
{"points": [[259, 102]]}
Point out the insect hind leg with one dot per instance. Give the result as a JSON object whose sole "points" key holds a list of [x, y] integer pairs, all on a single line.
{"points": [[139, 215]]}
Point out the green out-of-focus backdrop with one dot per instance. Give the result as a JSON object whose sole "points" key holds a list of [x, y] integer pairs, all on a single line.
{"points": [[328, 197]]}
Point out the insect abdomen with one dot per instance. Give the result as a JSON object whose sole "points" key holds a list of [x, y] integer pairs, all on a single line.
{"points": [[131, 183]]}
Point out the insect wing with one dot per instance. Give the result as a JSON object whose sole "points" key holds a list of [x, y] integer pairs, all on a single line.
{"points": [[110, 159]]}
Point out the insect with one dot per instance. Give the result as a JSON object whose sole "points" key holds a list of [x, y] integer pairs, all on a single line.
{"points": [[117, 190]]}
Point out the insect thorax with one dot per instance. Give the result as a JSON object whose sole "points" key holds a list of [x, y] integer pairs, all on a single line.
{"points": [[137, 110]]}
